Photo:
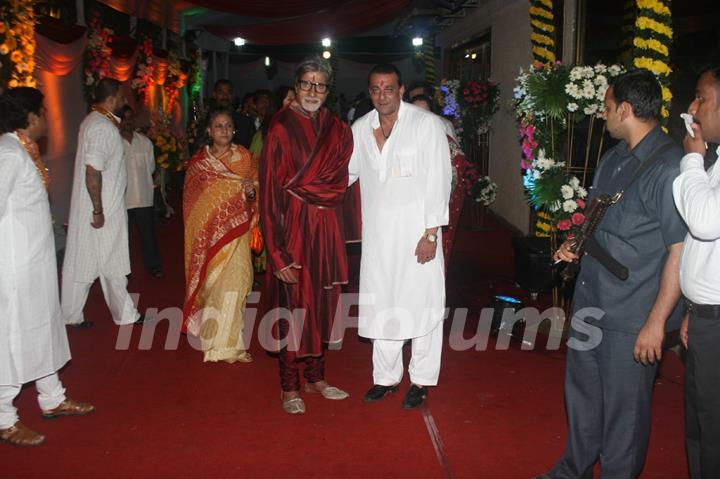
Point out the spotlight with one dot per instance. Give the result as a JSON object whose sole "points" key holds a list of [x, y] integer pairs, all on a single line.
{"points": [[417, 41], [238, 41], [473, 56], [326, 42], [326, 54], [267, 61]]}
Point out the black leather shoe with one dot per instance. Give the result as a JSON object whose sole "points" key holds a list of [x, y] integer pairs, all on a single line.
{"points": [[377, 392], [83, 325], [140, 320], [414, 397]]}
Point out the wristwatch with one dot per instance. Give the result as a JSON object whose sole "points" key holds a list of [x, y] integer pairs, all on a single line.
{"points": [[431, 237]]}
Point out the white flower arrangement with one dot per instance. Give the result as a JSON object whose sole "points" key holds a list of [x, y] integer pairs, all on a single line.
{"points": [[485, 191], [587, 86]]}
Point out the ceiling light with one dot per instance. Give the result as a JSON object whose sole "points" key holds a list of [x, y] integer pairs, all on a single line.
{"points": [[327, 54], [417, 41], [238, 41], [467, 55], [326, 42], [473, 56], [267, 61]]}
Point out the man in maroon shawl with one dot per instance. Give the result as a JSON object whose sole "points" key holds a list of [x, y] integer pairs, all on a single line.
{"points": [[304, 176]]}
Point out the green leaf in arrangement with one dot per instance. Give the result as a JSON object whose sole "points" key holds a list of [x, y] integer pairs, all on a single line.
{"points": [[549, 91]]}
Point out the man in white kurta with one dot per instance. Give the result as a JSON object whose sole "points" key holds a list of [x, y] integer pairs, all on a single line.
{"points": [[402, 160], [33, 341], [97, 241], [140, 163]]}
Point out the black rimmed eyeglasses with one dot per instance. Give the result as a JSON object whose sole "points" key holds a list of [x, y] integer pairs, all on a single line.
{"points": [[308, 85]]}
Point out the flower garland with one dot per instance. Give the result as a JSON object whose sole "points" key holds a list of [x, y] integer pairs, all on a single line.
{"points": [[33, 150], [651, 45], [17, 43], [542, 38], [144, 69], [174, 81], [97, 55]]}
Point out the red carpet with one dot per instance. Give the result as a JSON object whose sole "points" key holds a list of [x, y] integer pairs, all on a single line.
{"points": [[164, 413]]}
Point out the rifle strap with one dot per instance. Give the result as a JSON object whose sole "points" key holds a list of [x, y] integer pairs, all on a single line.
{"points": [[654, 156]]}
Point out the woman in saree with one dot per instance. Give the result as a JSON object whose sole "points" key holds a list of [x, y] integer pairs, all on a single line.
{"points": [[457, 195], [219, 211]]}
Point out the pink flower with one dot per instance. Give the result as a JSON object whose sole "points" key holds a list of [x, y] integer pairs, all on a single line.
{"points": [[578, 219], [580, 203], [564, 225]]}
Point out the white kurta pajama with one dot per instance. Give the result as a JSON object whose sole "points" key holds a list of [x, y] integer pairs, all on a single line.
{"points": [[104, 252], [404, 189], [33, 341]]}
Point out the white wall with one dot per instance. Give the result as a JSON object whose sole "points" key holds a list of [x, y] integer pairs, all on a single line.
{"points": [[509, 24]]}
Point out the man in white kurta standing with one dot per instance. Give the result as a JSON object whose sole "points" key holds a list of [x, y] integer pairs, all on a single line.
{"points": [[140, 163], [97, 241], [402, 160], [33, 342]]}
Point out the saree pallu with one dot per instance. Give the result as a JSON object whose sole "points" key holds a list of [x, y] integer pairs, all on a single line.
{"points": [[457, 198], [218, 267]]}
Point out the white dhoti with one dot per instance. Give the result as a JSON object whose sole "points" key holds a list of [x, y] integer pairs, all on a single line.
{"points": [[424, 368]]}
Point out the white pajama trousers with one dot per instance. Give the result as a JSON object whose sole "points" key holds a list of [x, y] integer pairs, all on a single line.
{"points": [[424, 368], [50, 394], [75, 294]]}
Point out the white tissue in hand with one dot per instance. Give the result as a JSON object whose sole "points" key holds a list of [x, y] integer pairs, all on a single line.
{"points": [[688, 119]]}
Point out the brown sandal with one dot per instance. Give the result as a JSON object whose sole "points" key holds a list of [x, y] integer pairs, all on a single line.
{"points": [[20, 435]]}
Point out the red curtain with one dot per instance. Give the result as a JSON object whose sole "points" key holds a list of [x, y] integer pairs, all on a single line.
{"points": [[264, 8], [343, 20]]}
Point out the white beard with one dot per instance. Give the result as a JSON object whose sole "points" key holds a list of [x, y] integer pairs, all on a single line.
{"points": [[310, 107]]}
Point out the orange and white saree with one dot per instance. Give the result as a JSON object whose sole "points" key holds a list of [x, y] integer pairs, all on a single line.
{"points": [[218, 263]]}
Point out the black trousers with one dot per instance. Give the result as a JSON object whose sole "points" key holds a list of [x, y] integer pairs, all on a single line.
{"points": [[144, 221], [702, 397]]}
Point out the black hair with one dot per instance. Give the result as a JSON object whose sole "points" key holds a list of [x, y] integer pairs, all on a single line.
{"points": [[16, 104], [386, 69], [106, 88], [212, 114], [425, 98], [259, 93], [124, 110], [715, 73], [641, 89], [221, 82]]}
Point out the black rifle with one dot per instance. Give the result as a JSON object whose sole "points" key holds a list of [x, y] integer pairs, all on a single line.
{"points": [[585, 243]]}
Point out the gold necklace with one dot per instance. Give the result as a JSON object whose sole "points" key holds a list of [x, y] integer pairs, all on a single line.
{"points": [[34, 151], [106, 114]]}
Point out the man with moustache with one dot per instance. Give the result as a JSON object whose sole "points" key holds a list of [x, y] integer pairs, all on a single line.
{"points": [[304, 176], [402, 159], [697, 197], [97, 240]]}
